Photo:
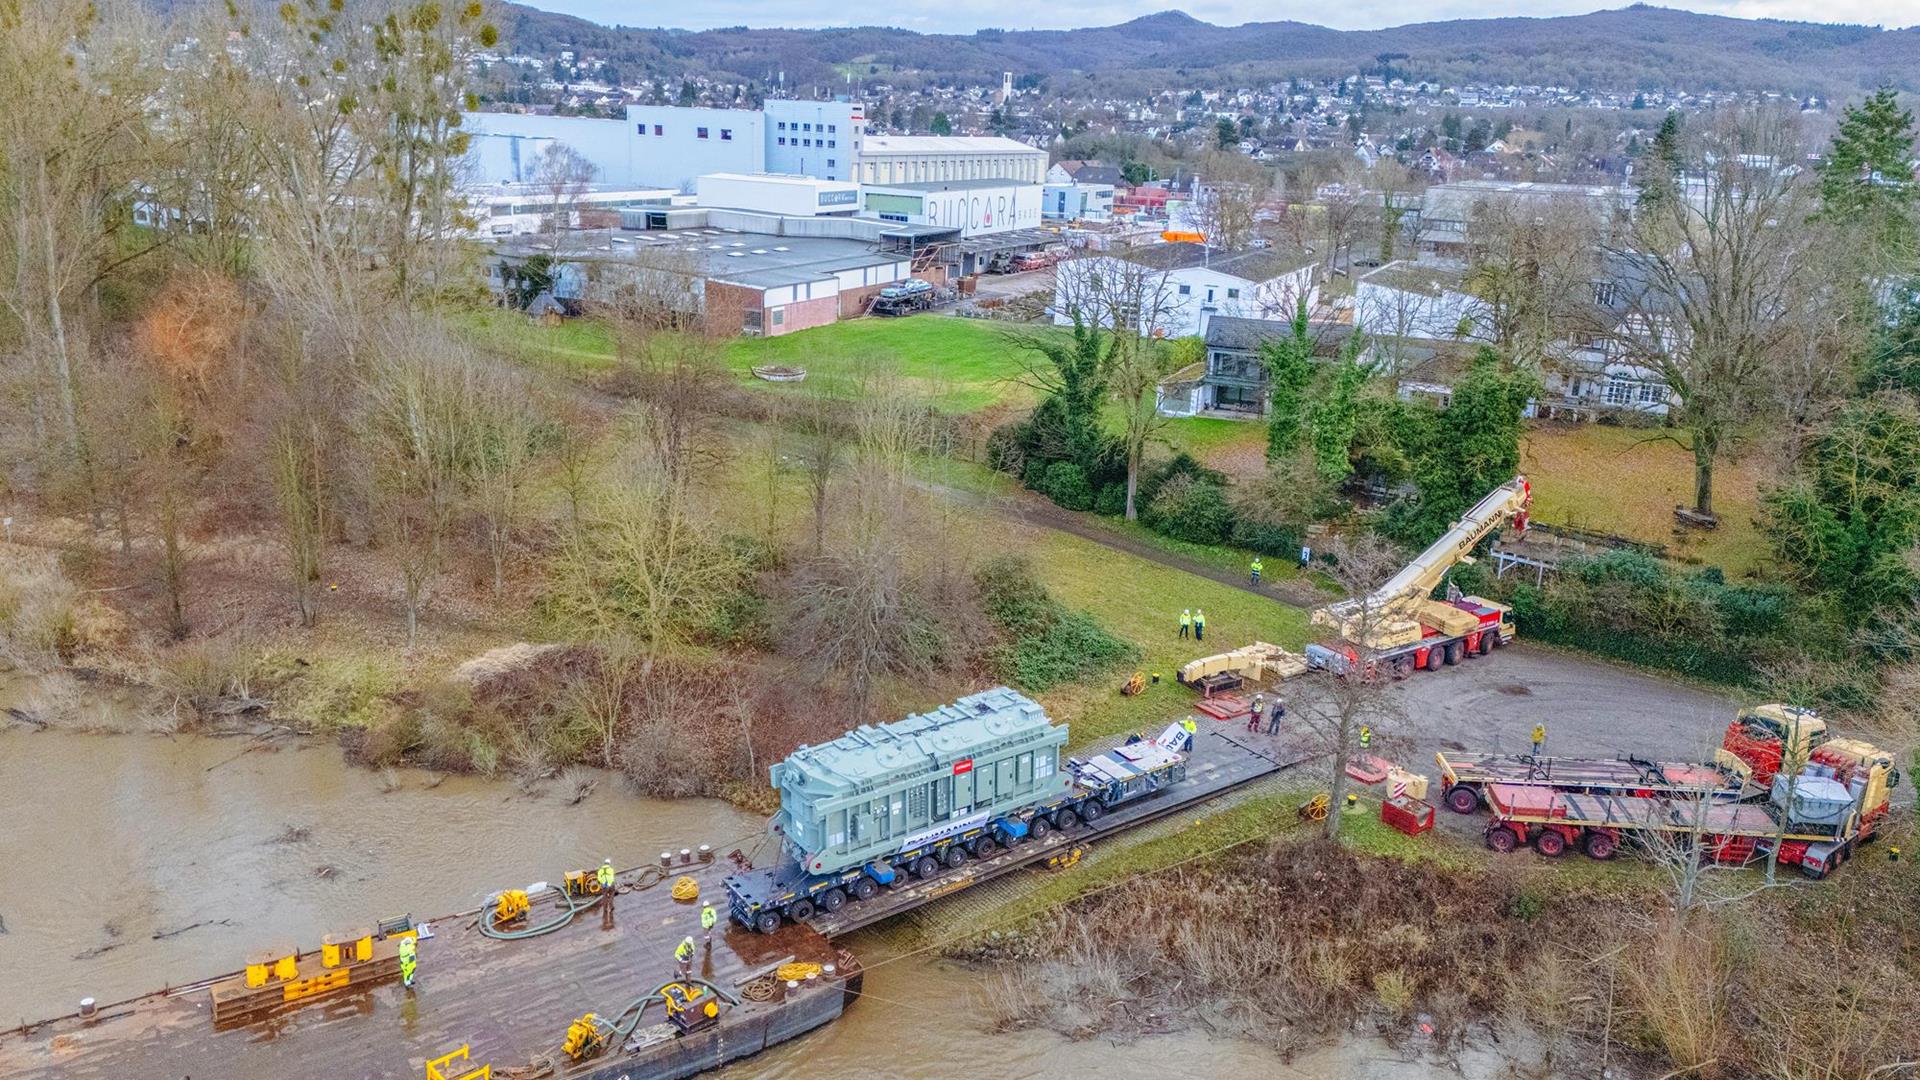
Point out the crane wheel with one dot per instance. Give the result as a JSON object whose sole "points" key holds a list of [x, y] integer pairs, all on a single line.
{"points": [[767, 922], [865, 888], [955, 858], [925, 867], [833, 900], [800, 910], [1092, 811], [1038, 828], [1066, 819]]}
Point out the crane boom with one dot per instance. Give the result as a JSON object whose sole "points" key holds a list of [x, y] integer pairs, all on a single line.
{"points": [[1399, 600]]}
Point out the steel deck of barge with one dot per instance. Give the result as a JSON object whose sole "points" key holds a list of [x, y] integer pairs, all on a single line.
{"points": [[512, 1000]]}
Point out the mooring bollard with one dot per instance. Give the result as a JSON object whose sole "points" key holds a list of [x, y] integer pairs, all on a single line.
{"points": [[87, 1008], [706, 853], [666, 858], [686, 856]]}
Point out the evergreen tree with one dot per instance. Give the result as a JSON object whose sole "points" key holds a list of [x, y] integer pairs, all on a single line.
{"points": [[1867, 178], [1226, 134], [1660, 168], [940, 125], [1289, 363]]}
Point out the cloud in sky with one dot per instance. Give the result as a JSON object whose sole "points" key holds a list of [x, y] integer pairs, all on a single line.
{"points": [[1024, 15]]}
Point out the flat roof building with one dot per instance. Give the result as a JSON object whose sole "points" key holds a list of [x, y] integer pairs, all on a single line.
{"points": [[920, 159]]}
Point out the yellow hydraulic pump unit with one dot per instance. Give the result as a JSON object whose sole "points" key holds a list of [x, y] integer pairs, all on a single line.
{"points": [[582, 883], [689, 1007], [585, 1037], [511, 905]]}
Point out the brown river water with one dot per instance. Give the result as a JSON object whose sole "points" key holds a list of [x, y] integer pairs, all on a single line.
{"points": [[130, 862]]}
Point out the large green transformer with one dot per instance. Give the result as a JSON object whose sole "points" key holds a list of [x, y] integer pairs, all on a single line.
{"points": [[882, 789]]}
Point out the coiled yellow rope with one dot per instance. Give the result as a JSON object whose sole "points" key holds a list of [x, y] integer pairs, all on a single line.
{"points": [[686, 889], [796, 972]]}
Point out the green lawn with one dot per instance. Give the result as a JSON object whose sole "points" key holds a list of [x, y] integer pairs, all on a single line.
{"points": [[1627, 481], [1141, 602], [583, 345], [963, 365]]}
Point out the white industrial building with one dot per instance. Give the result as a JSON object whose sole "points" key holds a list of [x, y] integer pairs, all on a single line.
{"points": [[973, 207], [523, 209], [775, 193], [921, 159], [670, 145]]}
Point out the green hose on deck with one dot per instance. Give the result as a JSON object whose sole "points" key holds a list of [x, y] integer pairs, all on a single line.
{"points": [[489, 929], [621, 1028]]}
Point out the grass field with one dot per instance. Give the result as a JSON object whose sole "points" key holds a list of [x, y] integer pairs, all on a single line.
{"points": [[1141, 602], [1615, 480], [583, 345], [963, 365]]}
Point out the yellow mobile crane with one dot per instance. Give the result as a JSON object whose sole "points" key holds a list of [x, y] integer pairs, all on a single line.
{"points": [[1401, 627]]}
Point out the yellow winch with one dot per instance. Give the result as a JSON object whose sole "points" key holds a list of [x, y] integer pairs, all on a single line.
{"points": [[689, 1007], [585, 1037], [512, 904]]}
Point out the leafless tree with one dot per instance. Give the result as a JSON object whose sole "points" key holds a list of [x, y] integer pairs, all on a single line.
{"points": [[1335, 703], [560, 176], [1533, 265], [1719, 283]]}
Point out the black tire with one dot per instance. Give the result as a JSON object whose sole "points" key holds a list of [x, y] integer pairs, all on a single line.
{"points": [[1551, 843], [1462, 799], [955, 858], [984, 847], [833, 900], [1092, 810], [925, 867], [1487, 638], [1403, 666], [1436, 656], [1066, 819], [800, 910], [865, 888], [1501, 839], [767, 922], [1454, 651], [1601, 846], [1038, 828]]}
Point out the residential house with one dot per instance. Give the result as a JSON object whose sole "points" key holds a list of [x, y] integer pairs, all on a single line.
{"points": [[1174, 289], [1232, 381], [1079, 191]]}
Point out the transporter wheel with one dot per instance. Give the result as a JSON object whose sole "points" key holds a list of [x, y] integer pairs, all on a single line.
{"points": [[955, 858], [1066, 819], [1487, 638], [925, 867], [1551, 843], [1092, 810], [865, 888], [767, 922], [800, 910], [1601, 846], [1462, 799], [1038, 828], [984, 847], [833, 900], [1501, 839], [1455, 650], [1403, 666]]}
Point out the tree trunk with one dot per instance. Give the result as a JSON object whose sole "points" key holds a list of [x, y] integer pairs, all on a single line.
{"points": [[1337, 791], [1706, 447], [1133, 485]]}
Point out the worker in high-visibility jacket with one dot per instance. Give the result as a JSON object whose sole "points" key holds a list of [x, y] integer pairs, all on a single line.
{"points": [[1539, 738], [605, 877], [1186, 623], [1366, 738], [683, 955], [1187, 725], [1199, 624], [1253, 572], [409, 959], [709, 918]]}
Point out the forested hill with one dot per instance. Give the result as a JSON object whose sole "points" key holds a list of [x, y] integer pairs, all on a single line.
{"points": [[1639, 47]]}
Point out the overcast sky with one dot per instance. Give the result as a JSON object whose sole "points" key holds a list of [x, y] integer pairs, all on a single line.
{"points": [[1026, 15]]}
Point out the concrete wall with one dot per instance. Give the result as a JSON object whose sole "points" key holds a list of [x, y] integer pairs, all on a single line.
{"points": [[674, 145], [506, 146], [796, 197], [975, 211], [802, 314], [814, 138]]}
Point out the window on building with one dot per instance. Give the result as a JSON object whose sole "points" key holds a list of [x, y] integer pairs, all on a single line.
{"points": [[1606, 293], [833, 142], [726, 134], [658, 130], [1650, 393], [1209, 295], [783, 140], [832, 128], [1233, 294], [1619, 392], [640, 129], [783, 125], [806, 142], [699, 133], [806, 127], [830, 163], [1186, 290], [779, 316]]}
